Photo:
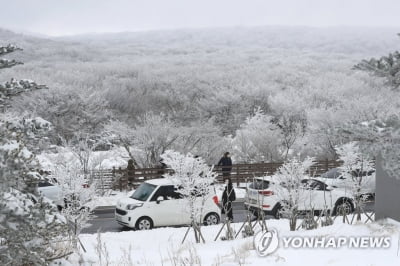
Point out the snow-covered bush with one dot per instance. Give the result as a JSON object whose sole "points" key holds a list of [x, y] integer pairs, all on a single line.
{"points": [[356, 167], [31, 230], [289, 189], [194, 179]]}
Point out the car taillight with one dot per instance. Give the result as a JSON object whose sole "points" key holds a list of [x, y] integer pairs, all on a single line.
{"points": [[266, 192], [215, 199]]}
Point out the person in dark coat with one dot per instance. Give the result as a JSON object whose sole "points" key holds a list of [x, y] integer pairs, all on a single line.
{"points": [[228, 196], [226, 161]]}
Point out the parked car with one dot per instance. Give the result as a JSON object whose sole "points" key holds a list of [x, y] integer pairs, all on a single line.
{"points": [[51, 191], [157, 203], [261, 196], [337, 180]]}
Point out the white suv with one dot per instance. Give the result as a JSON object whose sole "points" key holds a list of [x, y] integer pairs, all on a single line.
{"points": [[157, 203], [335, 179], [261, 196]]}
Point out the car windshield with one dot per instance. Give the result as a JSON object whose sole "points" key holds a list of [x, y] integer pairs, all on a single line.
{"points": [[143, 192], [259, 184], [331, 174]]}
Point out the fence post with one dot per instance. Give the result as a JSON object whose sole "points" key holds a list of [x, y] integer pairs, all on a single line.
{"points": [[326, 165], [237, 175], [120, 178]]}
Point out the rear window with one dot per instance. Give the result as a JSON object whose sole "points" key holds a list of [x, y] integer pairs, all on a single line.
{"points": [[331, 174], [259, 184]]}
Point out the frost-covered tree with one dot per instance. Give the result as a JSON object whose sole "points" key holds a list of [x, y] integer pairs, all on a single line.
{"points": [[289, 189], [13, 87], [387, 67], [194, 179], [381, 135], [6, 63], [154, 135], [258, 139], [121, 133], [292, 127], [355, 168], [31, 229], [78, 191]]}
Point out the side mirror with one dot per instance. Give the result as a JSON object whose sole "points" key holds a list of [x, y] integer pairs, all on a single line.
{"points": [[159, 199]]}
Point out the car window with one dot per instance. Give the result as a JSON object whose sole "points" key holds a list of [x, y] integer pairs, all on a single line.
{"points": [[313, 184], [259, 184], [331, 174], [143, 192], [44, 184], [358, 173], [167, 192]]}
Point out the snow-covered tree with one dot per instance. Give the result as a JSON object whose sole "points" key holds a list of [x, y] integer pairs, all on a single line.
{"points": [[154, 135], [194, 179], [292, 127], [387, 67], [122, 134], [258, 139], [31, 229], [289, 189], [380, 136], [6, 63], [78, 191], [355, 168]]}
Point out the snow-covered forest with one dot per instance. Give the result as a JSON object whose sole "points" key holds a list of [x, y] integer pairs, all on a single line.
{"points": [[179, 99], [264, 93]]}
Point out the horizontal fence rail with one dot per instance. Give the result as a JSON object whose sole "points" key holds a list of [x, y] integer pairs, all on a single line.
{"points": [[240, 173]]}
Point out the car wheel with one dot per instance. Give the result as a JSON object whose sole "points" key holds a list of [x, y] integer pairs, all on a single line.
{"points": [[211, 219], [277, 213], [144, 223], [343, 206]]}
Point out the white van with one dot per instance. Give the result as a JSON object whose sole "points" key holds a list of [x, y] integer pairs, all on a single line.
{"points": [[157, 203]]}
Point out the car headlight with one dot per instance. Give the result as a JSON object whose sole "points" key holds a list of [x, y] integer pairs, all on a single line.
{"points": [[133, 206]]}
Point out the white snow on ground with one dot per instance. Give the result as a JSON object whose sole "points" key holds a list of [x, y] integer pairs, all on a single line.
{"points": [[162, 246]]}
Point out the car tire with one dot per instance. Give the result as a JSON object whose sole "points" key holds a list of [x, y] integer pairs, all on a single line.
{"points": [[343, 204], [144, 223], [211, 219], [277, 211]]}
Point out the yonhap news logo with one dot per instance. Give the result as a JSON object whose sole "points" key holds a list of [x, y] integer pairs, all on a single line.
{"points": [[267, 242]]}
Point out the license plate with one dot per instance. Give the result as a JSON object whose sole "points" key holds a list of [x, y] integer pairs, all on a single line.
{"points": [[118, 217]]}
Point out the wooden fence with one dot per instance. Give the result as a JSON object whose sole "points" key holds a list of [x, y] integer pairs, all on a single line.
{"points": [[240, 174]]}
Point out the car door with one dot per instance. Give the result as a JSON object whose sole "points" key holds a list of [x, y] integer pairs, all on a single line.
{"points": [[164, 212], [317, 196]]}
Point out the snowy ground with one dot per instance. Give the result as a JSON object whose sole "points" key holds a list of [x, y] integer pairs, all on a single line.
{"points": [[162, 246]]}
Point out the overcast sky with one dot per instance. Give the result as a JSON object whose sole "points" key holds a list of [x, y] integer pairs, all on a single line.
{"points": [[65, 17]]}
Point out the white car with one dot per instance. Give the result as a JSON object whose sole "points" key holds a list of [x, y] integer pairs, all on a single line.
{"points": [[317, 196], [157, 203], [51, 191], [335, 179]]}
